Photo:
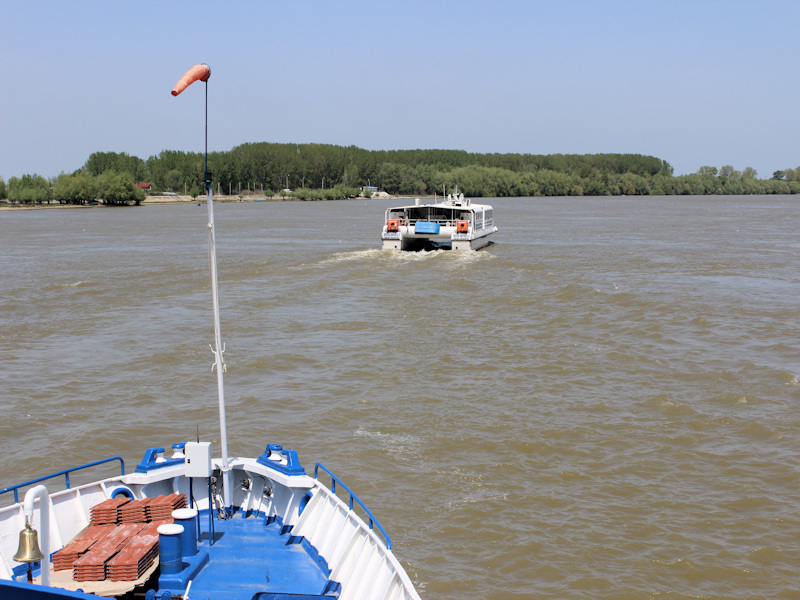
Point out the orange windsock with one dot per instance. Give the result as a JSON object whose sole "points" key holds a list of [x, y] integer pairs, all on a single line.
{"points": [[197, 72]]}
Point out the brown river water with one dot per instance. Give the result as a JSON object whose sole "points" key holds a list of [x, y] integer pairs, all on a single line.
{"points": [[604, 403]]}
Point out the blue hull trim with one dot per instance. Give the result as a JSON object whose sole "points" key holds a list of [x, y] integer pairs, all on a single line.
{"points": [[18, 590], [271, 596]]}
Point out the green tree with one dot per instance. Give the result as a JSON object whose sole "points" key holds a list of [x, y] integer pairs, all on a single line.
{"points": [[337, 168], [734, 186], [100, 162], [74, 189], [3, 191], [553, 183], [118, 189], [749, 173], [173, 180], [28, 189]]}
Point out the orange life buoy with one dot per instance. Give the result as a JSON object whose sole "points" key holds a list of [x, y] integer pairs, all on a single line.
{"points": [[392, 224], [462, 226]]}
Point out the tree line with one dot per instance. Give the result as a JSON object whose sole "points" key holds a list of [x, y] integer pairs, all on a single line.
{"points": [[321, 171], [112, 187]]}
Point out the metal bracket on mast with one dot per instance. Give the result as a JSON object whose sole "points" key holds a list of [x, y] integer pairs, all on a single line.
{"points": [[219, 360]]}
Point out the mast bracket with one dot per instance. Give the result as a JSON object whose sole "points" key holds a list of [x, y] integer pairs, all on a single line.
{"points": [[218, 358]]}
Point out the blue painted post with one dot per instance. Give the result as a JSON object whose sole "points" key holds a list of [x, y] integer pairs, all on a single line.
{"points": [[187, 518], [170, 552]]}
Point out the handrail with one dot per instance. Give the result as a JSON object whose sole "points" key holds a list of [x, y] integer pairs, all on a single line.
{"points": [[372, 519], [65, 473], [439, 221]]}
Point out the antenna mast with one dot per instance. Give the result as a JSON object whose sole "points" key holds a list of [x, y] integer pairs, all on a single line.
{"points": [[202, 73]]}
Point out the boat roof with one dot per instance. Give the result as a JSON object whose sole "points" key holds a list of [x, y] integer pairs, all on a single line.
{"points": [[449, 202]]}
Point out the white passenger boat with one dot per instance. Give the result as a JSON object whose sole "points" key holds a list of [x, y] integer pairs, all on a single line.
{"points": [[189, 525], [454, 223]]}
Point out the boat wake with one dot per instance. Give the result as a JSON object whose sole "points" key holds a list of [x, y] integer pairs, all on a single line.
{"points": [[75, 284], [404, 447], [398, 257], [350, 256]]}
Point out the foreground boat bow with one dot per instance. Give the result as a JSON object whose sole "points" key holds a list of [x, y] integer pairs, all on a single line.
{"points": [[287, 533]]}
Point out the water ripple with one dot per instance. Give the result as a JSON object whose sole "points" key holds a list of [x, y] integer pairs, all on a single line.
{"points": [[599, 405]]}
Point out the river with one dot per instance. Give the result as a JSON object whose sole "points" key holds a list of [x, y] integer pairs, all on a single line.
{"points": [[601, 404]]}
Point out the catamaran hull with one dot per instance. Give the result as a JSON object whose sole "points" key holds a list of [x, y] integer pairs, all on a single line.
{"points": [[472, 244], [421, 242]]}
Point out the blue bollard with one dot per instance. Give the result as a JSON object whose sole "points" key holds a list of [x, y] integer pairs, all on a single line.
{"points": [[170, 552], [187, 518]]}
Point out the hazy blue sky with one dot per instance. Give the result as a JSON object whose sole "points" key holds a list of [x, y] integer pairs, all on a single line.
{"points": [[694, 83]]}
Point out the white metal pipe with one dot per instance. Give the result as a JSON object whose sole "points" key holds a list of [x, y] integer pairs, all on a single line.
{"points": [[219, 363], [43, 495], [217, 349]]}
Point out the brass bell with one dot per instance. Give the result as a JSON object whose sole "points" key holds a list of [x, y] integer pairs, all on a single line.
{"points": [[28, 551]]}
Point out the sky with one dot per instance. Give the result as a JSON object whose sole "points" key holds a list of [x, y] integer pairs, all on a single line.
{"points": [[694, 83]]}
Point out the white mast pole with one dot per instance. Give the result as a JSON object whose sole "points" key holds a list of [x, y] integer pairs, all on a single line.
{"points": [[218, 349], [202, 72]]}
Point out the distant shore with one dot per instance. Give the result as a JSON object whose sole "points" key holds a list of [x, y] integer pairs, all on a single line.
{"points": [[180, 199], [246, 198]]}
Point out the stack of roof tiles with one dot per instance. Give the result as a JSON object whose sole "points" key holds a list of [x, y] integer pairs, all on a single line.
{"points": [[66, 557], [92, 565], [118, 552], [152, 527], [134, 511], [161, 507], [133, 559], [108, 511]]}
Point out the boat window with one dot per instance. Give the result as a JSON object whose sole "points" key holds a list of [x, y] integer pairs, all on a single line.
{"points": [[418, 214]]}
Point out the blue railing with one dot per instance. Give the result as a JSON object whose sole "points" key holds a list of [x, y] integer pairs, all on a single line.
{"points": [[353, 497], [65, 473]]}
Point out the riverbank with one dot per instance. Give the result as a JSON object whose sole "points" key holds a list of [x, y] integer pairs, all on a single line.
{"points": [[179, 199], [252, 198]]}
